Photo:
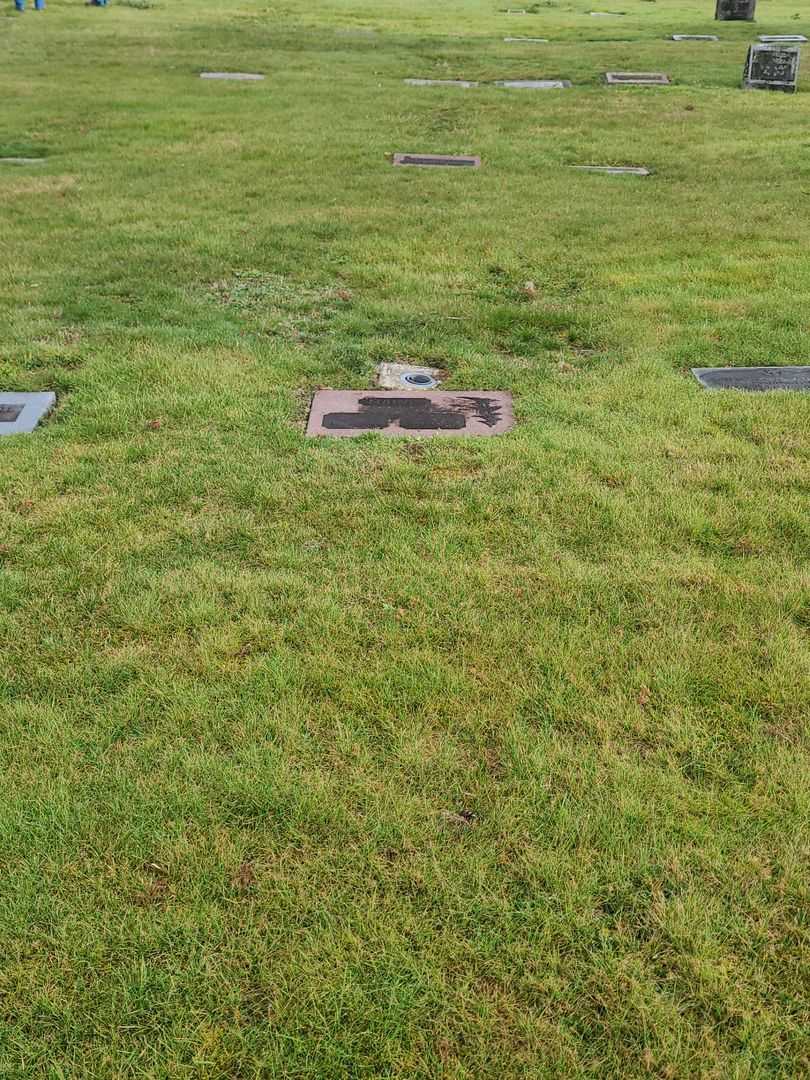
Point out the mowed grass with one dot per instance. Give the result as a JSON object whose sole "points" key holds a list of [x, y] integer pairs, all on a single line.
{"points": [[401, 758]]}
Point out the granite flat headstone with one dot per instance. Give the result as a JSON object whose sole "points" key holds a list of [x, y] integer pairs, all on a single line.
{"points": [[615, 170], [22, 161], [695, 37], [526, 40], [782, 39], [772, 67], [20, 413], [533, 84], [347, 413], [754, 378], [439, 82], [427, 160], [735, 10], [636, 78], [235, 76]]}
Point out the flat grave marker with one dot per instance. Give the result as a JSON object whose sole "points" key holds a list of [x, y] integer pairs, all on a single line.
{"points": [[636, 78], [440, 82], [533, 84], [615, 170], [695, 37], [22, 161], [772, 67], [754, 379], [526, 40], [20, 413], [735, 10], [426, 160], [235, 76], [782, 39], [407, 377], [348, 413], [606, 14]]}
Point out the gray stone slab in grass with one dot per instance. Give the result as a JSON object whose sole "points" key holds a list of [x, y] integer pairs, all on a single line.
{"points": [[22, 161], [20, 413], [636, 78], [782, 39], [615, 170], [754, 378], [606, 14], [526, 40], [533, 84], [407, 377], [427, 160], [695, 37], [735, 10], [347, 413], [772, 67], [235, 76], [440, 82]]}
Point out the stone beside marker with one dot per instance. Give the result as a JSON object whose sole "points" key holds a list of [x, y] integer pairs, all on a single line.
{"points": [[20, 413], [615, 170], [636, 78], [772, 67], [407, 377], [754, 379], [236, 76], [735, 10], [348, 413], [427, 160]]}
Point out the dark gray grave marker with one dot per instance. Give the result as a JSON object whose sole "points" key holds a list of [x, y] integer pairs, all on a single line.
{"points": [[347, 413], [20, 413], [772, 67], [754, 378], [437, 159], [636, 78], [735, 10]]}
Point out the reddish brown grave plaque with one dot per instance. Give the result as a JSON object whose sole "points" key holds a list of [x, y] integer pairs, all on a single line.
{"points": [[346, 413]]}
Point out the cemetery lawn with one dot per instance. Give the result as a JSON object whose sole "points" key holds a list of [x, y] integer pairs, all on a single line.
{"points": [[384, 757]]}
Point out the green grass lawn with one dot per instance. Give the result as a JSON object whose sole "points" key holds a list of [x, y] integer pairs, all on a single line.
{"points": [[384, 757]]}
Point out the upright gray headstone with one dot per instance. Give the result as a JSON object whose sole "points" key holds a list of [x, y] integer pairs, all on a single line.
{"points": [[772, 67], [736, 10]]}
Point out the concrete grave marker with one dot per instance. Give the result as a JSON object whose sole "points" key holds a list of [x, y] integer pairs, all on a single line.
{"points": [[615, 170], [526, 40], [754, 378], [636, 78], [439, 82], [695, 37], [735, 10], [782, 39], [236, 76], [437, 159], [347, 413], [533, 84], [606, 14], [407, 377], [20, 413], [22, 161], [772, 67]]}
